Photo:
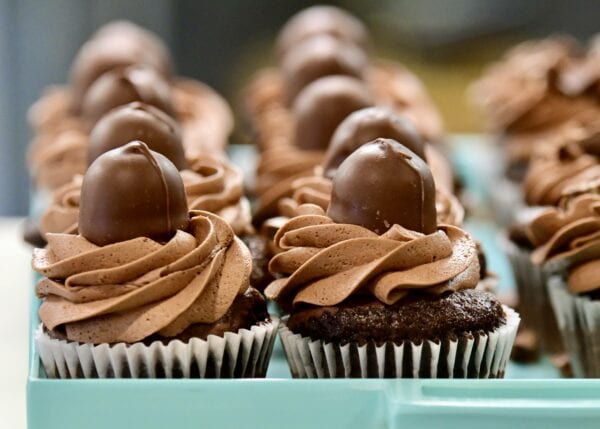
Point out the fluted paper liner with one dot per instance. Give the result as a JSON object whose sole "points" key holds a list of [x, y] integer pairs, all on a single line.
{"points": [[579, 323], [242, 354], [534, 302], [473, 355]]}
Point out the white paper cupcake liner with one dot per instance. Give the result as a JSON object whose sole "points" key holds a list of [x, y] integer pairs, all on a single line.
{"points": [[242, 354], [471, 356], [534, 302], [579, 323]]}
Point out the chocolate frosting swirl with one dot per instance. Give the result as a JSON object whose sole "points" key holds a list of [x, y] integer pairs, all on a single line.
{"points": [[569, 238], [566, 158], [130, 290], [324, 263], [518, 93], [211, 184]]}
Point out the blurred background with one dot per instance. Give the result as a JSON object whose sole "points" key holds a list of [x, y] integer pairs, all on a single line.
{"points": [[447, 43]]}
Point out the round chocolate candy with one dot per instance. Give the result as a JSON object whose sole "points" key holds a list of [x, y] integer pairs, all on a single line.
{"points": [[138, 121], [322, 105], [381, 184], [131, 192], [119, 87], [115, 46], [366, 125], [317, 57], [317, 20]]}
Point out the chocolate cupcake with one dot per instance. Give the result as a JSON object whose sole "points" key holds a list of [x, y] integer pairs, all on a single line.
{"points": [[376, 288], [148, 288], [569, 251], [568, 158]]}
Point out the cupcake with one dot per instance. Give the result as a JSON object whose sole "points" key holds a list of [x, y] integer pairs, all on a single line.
{"points": [[375, 287], [147, 288], [568, 251], [568, 158], [525, 106]]}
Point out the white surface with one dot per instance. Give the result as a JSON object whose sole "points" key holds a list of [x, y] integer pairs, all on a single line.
{"points": [[14, 311]]}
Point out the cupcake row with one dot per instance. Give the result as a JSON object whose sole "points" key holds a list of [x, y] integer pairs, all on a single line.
{"points": [[152, 263], [542, 102]]}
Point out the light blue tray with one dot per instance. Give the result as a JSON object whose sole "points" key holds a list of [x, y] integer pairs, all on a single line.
{"points": [[531, 397]]}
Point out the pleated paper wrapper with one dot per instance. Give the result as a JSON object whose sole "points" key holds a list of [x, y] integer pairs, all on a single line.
{"points": [[534, 302], [481, 355], [579, 323], [242, 354]]}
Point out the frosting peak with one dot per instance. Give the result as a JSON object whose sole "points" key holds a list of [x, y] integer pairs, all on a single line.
{"points": [[324, 262], [130, 290]]}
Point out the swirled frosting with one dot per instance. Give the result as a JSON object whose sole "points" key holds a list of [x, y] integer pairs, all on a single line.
{"points": [[59, 149], [518, 92], [569, 238], [211, 184], [562, 161], [130, 290], [324, 263]]}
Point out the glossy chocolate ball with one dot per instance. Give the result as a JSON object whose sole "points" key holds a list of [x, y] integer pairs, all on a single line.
{"points": [[115, 46], [383, 183], [366, 125], [123, 86], [318, 20], [322, 105], [132, 192], [317, 57], [138, 121]]}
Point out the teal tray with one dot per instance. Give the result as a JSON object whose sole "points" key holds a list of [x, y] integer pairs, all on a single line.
{"points": [[532, 396]]}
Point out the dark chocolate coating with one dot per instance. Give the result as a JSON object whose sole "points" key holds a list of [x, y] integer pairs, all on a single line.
{"points": [[317, 57], [138, 121], [317, 20], [366, 125], [115, 46], [416, 318], [382, 183], [131, 192], [123, 86], [322, 105]]}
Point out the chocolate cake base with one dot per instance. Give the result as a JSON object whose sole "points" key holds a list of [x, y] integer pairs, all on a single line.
{"points": [[416, 318], [261, 255]]}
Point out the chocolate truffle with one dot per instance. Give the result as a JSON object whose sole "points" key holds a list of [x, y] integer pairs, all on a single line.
{"points": [[118, 87], [318, 20], [322, 105], [138, 121], [317, 57], [116, 46], [383, 183], [366, 125], [131, 192]]}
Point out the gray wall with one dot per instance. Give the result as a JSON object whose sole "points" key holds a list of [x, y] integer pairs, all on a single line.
{"points": [[38, 40]]}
